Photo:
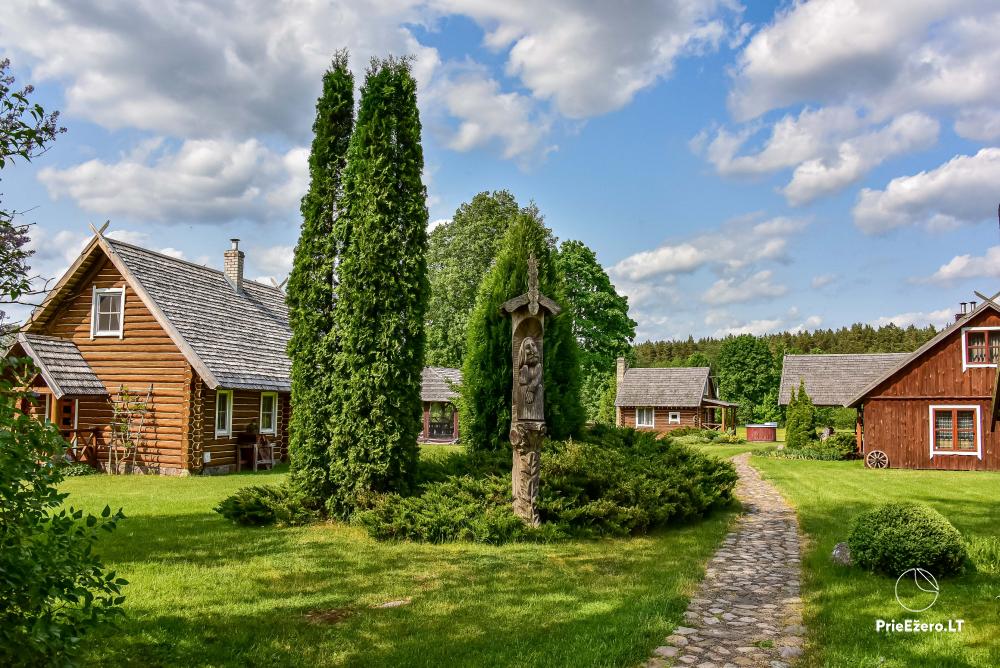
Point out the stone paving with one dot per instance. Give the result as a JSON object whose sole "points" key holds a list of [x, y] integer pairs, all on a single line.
{"points": [[747, 611]]}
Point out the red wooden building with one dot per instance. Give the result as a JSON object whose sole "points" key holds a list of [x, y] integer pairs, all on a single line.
{"points": [[935, 408]]}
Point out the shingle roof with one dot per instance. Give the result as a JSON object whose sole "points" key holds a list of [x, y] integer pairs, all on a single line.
{"points": [[437, 383], [834, 380], [61, 365], [240, 338], [680, 387]]}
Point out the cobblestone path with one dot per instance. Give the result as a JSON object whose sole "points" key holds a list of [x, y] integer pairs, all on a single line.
{"points": [[747, 611]]}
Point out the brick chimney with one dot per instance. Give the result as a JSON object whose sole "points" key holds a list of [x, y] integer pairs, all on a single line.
{"points": [[233, 266]]}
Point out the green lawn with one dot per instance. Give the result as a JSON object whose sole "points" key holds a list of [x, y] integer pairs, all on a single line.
{"points": [[206, 592], [842, 604], [725, 450]]}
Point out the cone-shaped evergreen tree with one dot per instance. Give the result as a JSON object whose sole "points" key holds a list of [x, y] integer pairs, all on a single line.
{"points": [[311, 284], [486, 373], [381, 294]]}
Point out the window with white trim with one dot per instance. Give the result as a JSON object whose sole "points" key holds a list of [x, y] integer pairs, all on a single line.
{"points": [[223, 413], [955, 430], [268, 412], [980, 346], [674, 417], [107, 316], [644, 416]]}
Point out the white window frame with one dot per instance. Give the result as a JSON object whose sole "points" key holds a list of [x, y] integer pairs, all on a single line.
{"points": [[674, 417], [965, 347], [978, 452], [47, 418], [228, 394], [652, 416], [97, 292], [274, 413]]}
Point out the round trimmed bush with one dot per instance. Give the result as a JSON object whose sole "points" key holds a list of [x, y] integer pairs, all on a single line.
{"points": [[894, 537]]}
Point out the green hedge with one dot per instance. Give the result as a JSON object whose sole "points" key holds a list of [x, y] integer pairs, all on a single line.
{"points": [[259, 505], [894, 537]]}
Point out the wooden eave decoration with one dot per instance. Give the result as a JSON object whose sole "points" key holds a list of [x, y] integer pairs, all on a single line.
{"points": [[532, 298]]}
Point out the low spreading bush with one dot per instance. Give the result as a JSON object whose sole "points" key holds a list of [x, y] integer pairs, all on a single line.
{"points": [[688, 430], [730, 439], [612, 482], [894, 537], [77, 469], [838, 447], [258, 505]]}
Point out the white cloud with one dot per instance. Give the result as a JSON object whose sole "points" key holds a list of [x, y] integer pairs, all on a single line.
{"points": [[967, 266], [275, 261], [437, 223], [590, 58], [856, 156], [981, 123], [939, 318], [826, 147], [486, 115], [755, 327], [734, 290], [201, 181], [204, 69], [891, 55], [962, 190], [822, 281], [734, 246]]}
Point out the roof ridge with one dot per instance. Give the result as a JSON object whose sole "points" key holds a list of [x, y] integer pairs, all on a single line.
{"points": [[194, 265]]}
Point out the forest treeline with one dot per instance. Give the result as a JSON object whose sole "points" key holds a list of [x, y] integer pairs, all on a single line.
{"points": [[858, 338]]}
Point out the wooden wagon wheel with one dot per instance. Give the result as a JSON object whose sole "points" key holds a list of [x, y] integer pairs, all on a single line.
{"points": [[876, 459]]}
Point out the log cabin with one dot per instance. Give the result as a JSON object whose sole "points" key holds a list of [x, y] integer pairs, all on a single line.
{"points": [[934, 408], [665, 399], [197, 354]]}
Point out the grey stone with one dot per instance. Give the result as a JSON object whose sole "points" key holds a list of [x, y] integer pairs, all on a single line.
{"points": [[666, 651], [842, 554], [788, 652]]}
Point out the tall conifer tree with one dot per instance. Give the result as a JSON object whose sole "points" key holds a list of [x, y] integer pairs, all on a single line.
{"points": [[311, 285], [486, 377], [381, 294]]}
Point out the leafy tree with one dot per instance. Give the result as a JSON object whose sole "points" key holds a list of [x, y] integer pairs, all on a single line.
{"points": [[486, 378], [459, 253], [54, 589], [606, 403], [746, 374], [378, 317], [311, 285], [26, 131], [601, 324]]}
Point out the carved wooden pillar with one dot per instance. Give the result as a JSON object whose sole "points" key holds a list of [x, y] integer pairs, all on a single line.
{"points": [[527, 427]]}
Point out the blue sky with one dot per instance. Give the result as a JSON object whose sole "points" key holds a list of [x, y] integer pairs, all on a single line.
{"points": [[736, 168]]}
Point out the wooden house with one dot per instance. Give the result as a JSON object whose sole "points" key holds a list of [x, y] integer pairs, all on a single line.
{"points": [[200, 351], [935, 408], [833, 380], [439, 393], [670, 398]]}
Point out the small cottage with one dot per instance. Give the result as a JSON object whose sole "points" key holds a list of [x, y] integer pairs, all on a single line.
{"points": [[439, 393], [194, 358], [670, 398]]}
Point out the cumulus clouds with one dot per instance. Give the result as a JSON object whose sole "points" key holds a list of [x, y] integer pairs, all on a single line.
{"points": [[871, 81], [738, 290], [967, 266], [939, 318], [826, 147], [200, 181], [962, 190]]}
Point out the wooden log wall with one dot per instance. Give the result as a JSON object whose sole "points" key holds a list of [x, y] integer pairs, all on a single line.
{"points": [[690, 417], [897, 413], [144, 355], [246, 416]]}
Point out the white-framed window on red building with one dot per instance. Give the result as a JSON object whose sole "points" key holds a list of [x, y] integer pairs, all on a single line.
{"points": [[955, 430], [980, 346]]}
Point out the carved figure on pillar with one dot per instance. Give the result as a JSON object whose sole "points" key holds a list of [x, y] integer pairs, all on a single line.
{"points": [[527, 427]]}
